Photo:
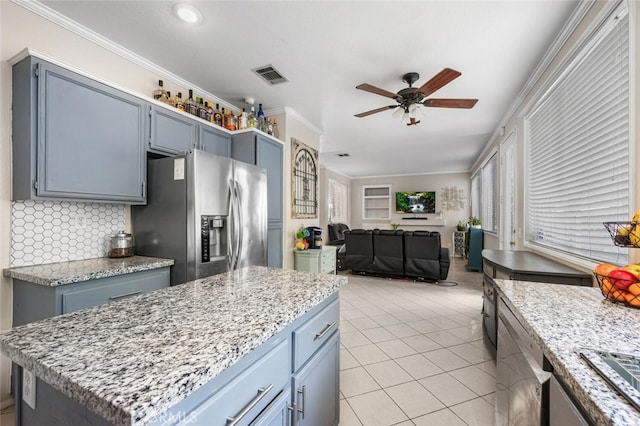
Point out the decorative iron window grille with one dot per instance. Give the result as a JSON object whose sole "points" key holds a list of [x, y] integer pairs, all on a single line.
{"points": [[304, 181]]}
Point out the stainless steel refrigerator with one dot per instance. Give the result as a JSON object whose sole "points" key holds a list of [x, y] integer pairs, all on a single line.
{"points": [[206, 212]]}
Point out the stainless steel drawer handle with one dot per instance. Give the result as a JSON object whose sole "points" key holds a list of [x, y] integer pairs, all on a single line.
{"points": [[120, 296], [262, 392], [325, 330], [303, 396]]}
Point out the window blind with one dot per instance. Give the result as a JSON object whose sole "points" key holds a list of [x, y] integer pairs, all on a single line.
{"points": [[489, 213], [577, 144], [475, 194], [337, 201]]}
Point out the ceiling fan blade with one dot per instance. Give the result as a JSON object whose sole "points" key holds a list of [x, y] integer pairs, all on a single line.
{"points": [[450, 103], [378, 91], [373, 111], [439, 80]]}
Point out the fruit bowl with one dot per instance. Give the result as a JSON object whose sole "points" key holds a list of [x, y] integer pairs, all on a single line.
{"points": [[629, 297], [624, 234]]}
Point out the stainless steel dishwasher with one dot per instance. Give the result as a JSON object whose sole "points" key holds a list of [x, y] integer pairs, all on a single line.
{"points": [[522, 384]]}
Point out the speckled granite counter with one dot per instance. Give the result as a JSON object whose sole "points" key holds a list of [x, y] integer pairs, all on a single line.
{"points": [[130, 361], [564, 319], [54, 274]]}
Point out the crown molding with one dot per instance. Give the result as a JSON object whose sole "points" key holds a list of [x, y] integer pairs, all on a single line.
{"points": [[290, 112], [90, 35]]}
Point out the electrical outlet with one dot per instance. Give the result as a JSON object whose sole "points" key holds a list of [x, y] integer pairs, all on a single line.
{"points": [[80, 221], [29, 388]]}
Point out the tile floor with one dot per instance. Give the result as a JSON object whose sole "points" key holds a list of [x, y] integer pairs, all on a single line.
{"points": [[412, 353]]}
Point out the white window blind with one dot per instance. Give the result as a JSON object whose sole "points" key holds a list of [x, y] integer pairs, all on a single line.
{"points": [[577, 139], [337, 201], [489, 214], [475, 194]]}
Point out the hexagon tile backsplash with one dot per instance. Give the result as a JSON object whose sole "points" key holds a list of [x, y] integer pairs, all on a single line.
{"points": [[59, 231]]}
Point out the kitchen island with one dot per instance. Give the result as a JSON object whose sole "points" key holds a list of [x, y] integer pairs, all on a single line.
{"points": [[135, 360], [562, 320]]}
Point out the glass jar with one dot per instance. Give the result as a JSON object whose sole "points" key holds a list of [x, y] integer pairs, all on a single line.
{"points": [[121, 245]]}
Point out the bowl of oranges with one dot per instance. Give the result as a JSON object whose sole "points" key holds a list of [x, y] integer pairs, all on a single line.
{"points": [[620, 284]]}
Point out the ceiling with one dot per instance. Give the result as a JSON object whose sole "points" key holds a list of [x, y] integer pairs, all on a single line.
{"points": [[326, 48]]}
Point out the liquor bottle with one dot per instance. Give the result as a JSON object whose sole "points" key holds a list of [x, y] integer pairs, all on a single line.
{"points": [[179, 103], [159, 92], [217, 116], [229, 120], [169, 100], [210, 112], [265, 125], [190, 106], [261, 117], [242, 120], [276, 131], [252, 122], [224, 118], [202, 110], [270, 127]]}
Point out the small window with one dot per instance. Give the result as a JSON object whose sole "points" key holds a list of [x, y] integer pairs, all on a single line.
{"points": [[337, 194]]}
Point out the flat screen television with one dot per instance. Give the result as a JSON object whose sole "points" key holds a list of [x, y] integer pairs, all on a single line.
{"points": [[416, 202]]}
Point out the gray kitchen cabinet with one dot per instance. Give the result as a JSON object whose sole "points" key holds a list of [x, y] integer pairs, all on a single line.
{"points": [[277, 414], [33, 302], [214, 141], [263, 151], [171, 132], [74, 137]]}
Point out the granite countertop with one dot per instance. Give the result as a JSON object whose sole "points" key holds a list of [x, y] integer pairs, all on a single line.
{"points": [[55, 274], [131, 360], [562, 320]]}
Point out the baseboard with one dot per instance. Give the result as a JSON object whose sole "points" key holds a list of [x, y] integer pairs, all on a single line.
{"points": [[6, 403]]}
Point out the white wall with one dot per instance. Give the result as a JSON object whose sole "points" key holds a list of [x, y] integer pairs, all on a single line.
{"points": [[431, 182]]}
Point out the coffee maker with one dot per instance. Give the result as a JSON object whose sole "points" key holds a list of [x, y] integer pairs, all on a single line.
{"points": [[315, 237]]}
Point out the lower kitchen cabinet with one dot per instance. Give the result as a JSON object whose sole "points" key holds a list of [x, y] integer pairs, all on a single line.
{"points": [[278, 412], [33, 302], [316, 386]]}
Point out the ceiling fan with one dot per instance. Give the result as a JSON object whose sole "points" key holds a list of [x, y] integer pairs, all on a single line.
{"points": [[410, 99]]}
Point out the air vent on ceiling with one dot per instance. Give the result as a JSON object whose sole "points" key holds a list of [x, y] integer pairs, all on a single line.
{"points": [[344, 154], [269, 74]]}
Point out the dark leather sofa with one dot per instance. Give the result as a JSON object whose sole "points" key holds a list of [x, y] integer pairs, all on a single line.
{"points": [[416, 254], [336, 238]]}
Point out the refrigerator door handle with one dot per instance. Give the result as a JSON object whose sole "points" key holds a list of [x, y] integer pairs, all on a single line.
{"points": [[231, 232], [240, 222]]}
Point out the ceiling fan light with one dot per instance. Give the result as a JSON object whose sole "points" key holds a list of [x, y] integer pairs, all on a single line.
{"points": [[397, 114], [405, 116], [418, 112], [412, 108]]}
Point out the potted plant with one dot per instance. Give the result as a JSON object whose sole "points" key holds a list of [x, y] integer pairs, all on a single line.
{"points": [[394, 226], [461, 225], [474, 222]]}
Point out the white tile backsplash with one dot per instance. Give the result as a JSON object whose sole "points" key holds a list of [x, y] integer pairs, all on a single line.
{"points": [[60, 231]]}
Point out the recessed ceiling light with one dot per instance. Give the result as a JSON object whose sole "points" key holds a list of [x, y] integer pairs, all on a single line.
{"points": [[187, 13]]}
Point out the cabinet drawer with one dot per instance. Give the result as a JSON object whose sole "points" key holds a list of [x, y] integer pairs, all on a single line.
{"points": [[328, 263], [249, 393], [125, 286], [503, 275], [487, 268], [311, 335]]}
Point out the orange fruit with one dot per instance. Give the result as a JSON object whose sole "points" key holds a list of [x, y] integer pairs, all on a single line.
{"points": [[605, 268], [607, 287], [634, 289], [634, 302]]}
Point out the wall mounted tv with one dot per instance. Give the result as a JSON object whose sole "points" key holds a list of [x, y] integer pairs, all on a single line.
{"points": [[416, 202]]}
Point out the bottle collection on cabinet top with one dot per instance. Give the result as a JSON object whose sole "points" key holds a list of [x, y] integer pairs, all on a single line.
{"points": [[218, 116]]}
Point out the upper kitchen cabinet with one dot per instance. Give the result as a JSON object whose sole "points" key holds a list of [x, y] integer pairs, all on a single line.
{"points": [[255, 148], [175, 133], [75, 138]]}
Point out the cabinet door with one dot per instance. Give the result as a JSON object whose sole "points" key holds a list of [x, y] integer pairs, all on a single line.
{"points": [[214, 141], [171, 132], [274, 244], [90, 139], [270, 157], [277, 414], [316, 387]]}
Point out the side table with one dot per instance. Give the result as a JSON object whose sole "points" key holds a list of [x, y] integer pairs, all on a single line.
{"points": [[316, 260]]}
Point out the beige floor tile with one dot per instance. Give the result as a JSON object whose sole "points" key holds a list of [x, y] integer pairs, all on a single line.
{"points": [[444, 338], [350, 314], [347, 360], [388, 373], [447, 389], [406, 316], [423, 326], [356, 381], [488, 367], [475, 379], [491, 398], [471, 353], [347, 416], [445, 359], [406, 423], [363, 323], [414, 399], [396, 348], [376, 409], [402, 330], [353, 339], [346, 326], [468, 333], [378, 334], [421, 343], [476, 412], [418, 366], [445, 323], [444, 417], [386, 319], [368, 354]]}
